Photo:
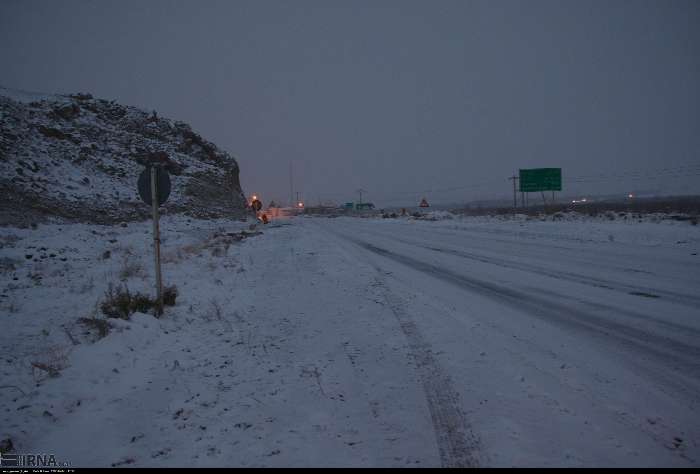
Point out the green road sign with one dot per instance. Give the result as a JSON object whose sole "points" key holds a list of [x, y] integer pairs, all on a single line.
{"points": [[540, 179]]}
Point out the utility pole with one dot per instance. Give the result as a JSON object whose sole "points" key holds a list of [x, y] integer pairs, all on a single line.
{"points": [[515, 193], [361, 191], [291, 186]]}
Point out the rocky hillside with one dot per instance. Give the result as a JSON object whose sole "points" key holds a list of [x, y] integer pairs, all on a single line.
{"points": [[78, 158]]}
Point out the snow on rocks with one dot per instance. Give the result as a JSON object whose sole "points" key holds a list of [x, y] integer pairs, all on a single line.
{"points": [[78, 157]]}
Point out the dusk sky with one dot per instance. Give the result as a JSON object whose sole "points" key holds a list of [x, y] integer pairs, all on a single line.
{"points": [[400, 98]]}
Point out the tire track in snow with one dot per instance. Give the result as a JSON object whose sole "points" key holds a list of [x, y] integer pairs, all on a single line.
{"points": [[679, 362], [662, 359], [457, 444], [692, 301], [688, 300]]}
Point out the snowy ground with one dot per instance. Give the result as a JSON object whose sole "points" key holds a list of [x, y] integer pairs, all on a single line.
{"points": [[359, 342]]}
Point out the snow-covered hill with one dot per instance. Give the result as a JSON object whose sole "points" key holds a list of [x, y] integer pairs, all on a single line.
{"points": [[78, 157]]}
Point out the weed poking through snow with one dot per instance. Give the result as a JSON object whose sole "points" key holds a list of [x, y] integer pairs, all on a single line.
{"points": [[120, 303]]}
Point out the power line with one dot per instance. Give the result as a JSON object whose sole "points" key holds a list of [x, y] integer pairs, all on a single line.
{"points": [[669, 172]]}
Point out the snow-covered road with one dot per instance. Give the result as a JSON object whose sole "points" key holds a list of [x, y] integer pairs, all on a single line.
{"points": [[562, 351], [361, 342]]}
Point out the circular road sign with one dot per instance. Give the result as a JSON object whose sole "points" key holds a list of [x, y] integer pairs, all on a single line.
{"points": [[162, 185], [256, 205]]}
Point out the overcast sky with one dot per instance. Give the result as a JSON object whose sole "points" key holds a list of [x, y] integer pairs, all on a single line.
{"points": [[400, 98]]}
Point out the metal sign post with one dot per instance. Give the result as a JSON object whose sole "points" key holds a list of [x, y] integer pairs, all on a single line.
{"points": [[156, 238], [154, 189]]}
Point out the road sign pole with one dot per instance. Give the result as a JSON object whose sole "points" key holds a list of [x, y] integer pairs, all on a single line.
{"points": [[156, 239], [544, 202]]}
